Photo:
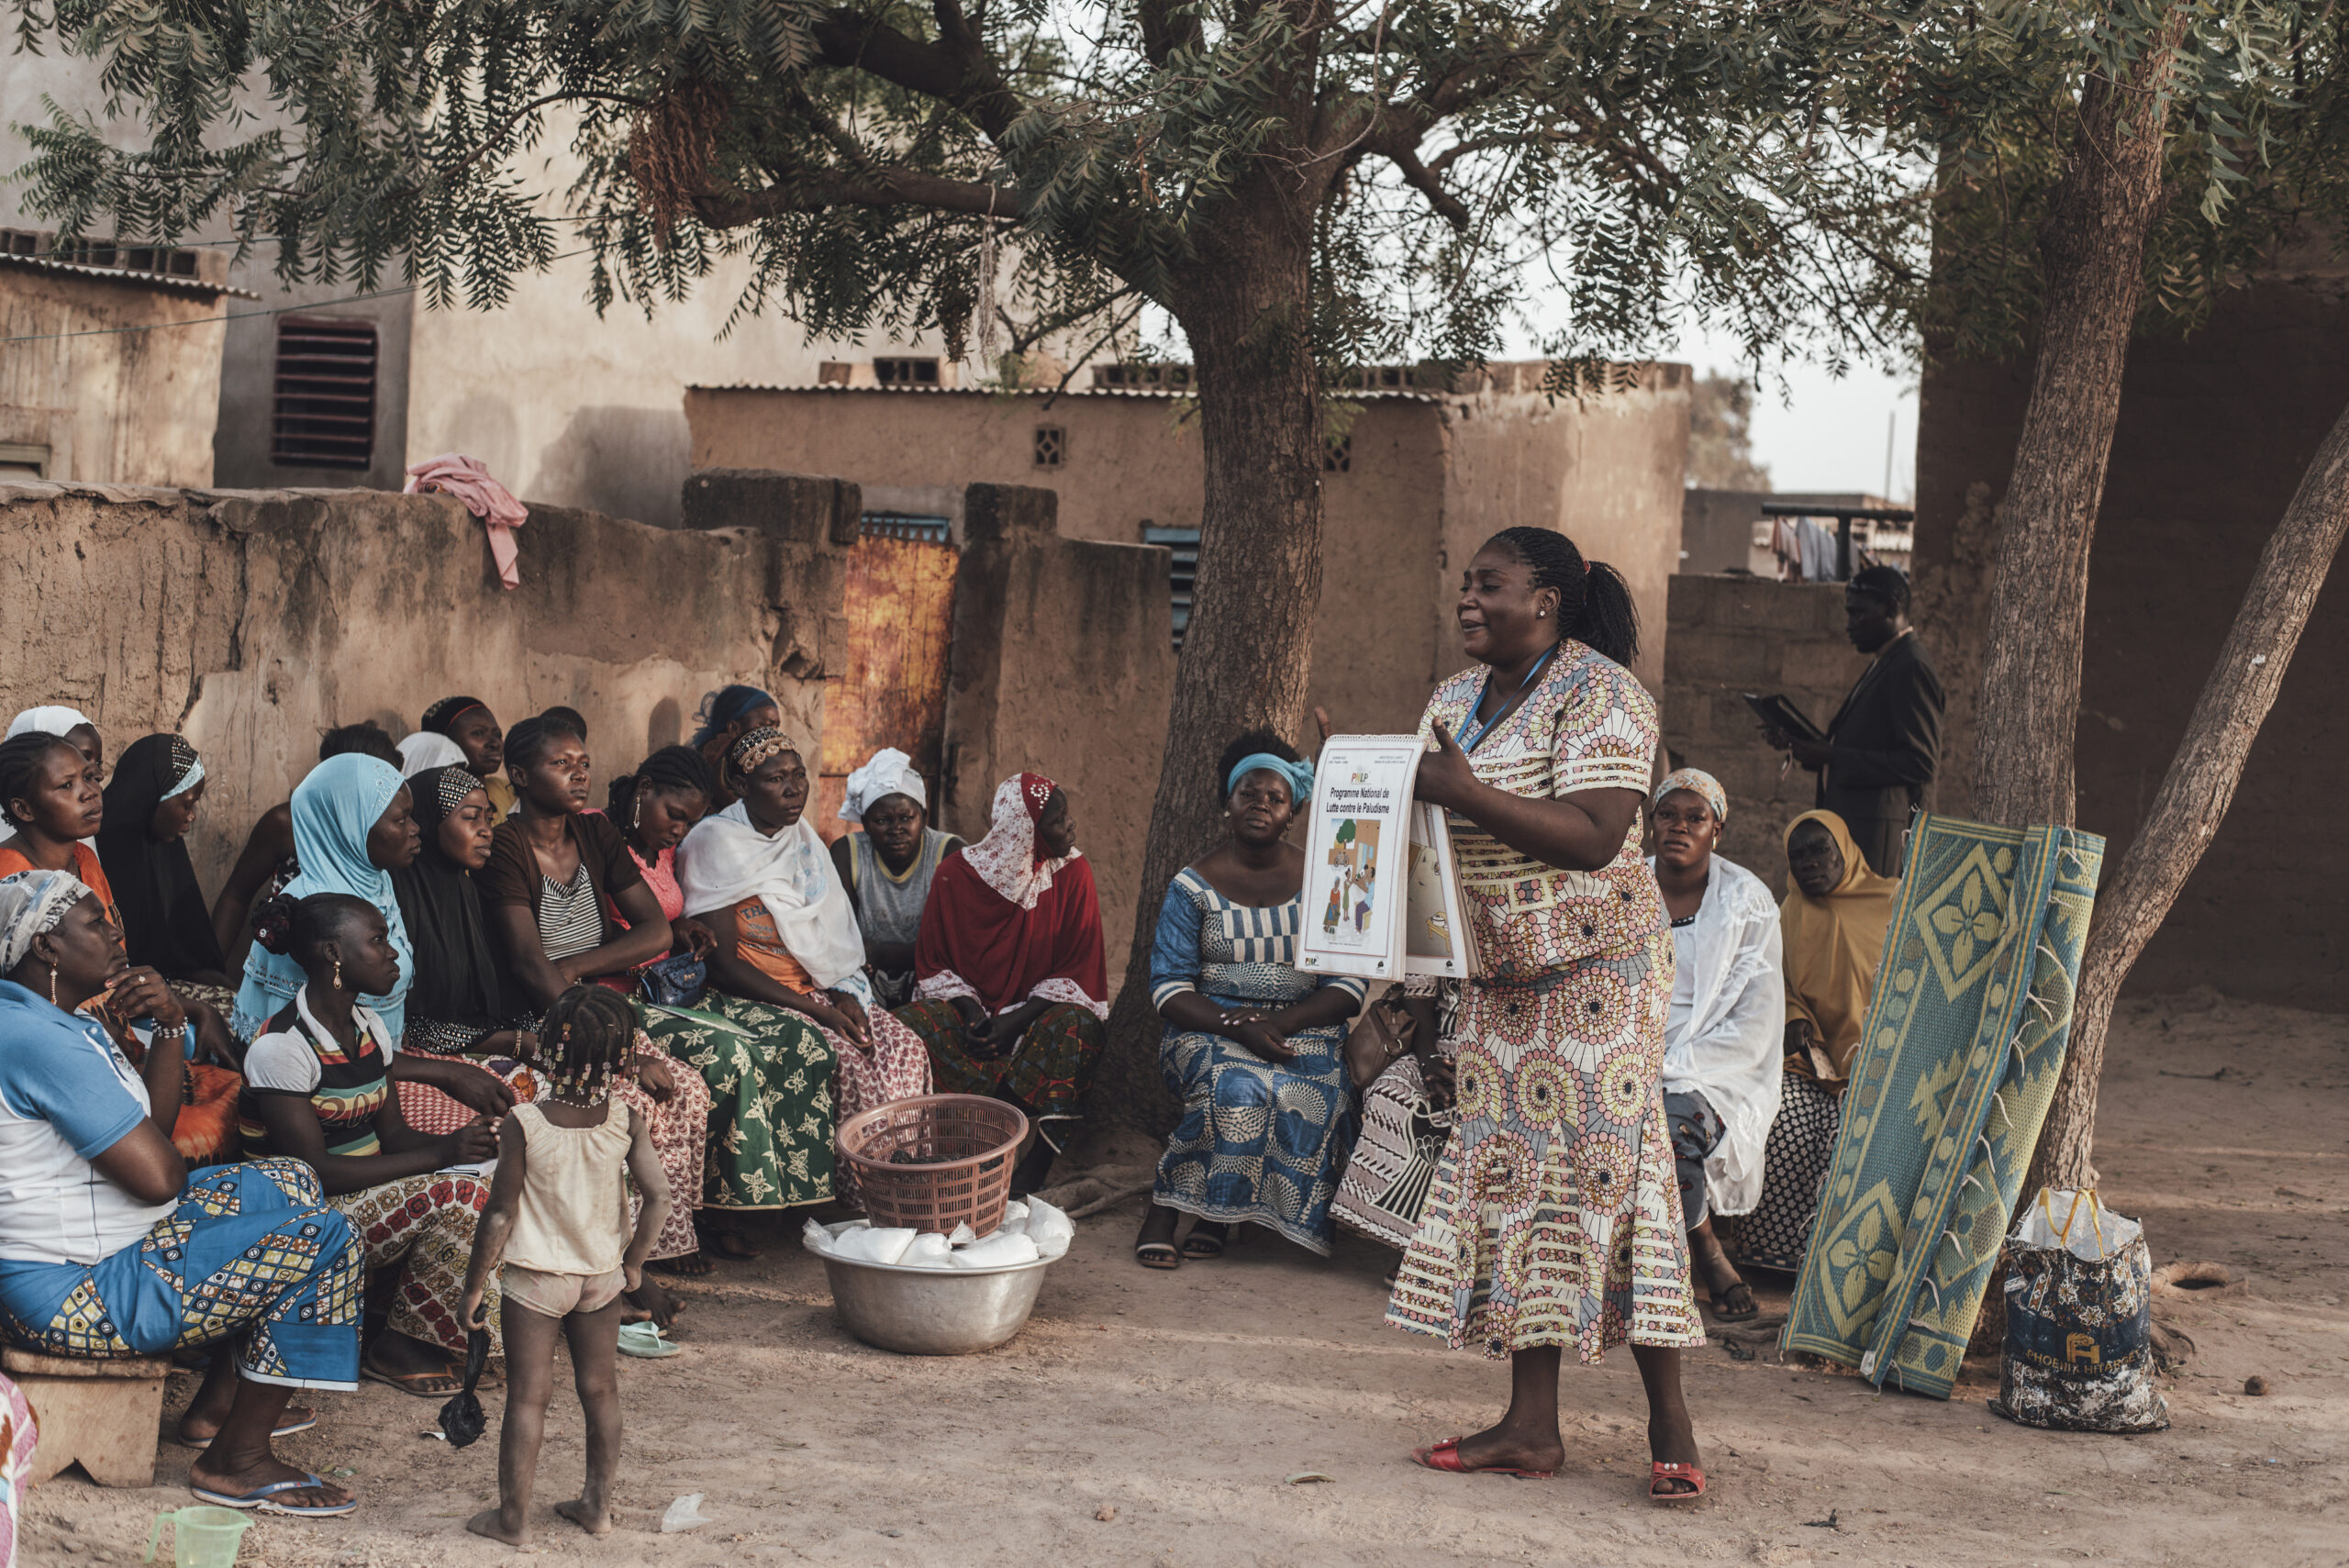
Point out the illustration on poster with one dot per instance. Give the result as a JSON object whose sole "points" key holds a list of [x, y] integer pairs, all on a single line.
{"points": [[1353, 872]]}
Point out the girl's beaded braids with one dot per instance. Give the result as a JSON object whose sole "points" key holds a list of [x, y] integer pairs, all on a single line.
{"points": [[586, 1038]]}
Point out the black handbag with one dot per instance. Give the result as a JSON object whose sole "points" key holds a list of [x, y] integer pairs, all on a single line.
{"points": [[677, 981]]}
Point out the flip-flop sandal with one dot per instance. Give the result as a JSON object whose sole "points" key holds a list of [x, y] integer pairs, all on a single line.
{"points": [[1660, 1472], [286, 1431], [406, 1381], [644, 1340], [1445, 1456], [260, 1499], [1197, 1246], [1158, 1255], [1725, 1313]]}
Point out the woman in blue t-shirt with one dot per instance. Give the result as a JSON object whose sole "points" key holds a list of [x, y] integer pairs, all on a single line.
{"points": [[107, 1250]]}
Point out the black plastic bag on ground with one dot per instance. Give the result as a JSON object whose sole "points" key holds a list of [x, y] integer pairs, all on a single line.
{"points": [[2079, 1354], [462, 1420]]}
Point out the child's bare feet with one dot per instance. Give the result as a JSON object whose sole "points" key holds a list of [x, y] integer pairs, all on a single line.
{"points": [[586, 1516], [491, 1522]]}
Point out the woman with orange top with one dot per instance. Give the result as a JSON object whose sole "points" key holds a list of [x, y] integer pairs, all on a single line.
{"points": [[759, 878]]}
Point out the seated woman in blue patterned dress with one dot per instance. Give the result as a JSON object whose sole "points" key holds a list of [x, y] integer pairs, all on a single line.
{"points": [[1255, 1049]]}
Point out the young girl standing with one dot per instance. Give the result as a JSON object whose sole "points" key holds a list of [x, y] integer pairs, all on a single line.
{"points": [[558, 1220]]}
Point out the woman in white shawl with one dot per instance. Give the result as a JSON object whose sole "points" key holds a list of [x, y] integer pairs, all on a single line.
{"points": [[1722, 1035], [759, 878]]}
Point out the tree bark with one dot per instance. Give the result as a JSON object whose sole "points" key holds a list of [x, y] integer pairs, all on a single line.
{"points": [[2092, 244], [1244, 303], [2195, 790]]}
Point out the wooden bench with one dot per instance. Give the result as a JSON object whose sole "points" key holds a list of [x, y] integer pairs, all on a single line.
{"points": [[105, 1412]]}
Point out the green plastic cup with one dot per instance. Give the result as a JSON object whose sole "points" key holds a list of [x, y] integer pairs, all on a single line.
{"points": [[202, 1537]]}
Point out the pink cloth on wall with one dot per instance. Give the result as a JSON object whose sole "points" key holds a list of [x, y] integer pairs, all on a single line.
{"points": [[466, 478]]}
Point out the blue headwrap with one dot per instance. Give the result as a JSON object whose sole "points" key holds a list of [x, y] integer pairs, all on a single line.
{"points": [[721, 709], [334, 810], [1298, 775]]}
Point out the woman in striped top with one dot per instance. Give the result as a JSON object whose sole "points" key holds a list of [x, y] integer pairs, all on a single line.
{"points": [[318, 1089], [1254, 1048]]}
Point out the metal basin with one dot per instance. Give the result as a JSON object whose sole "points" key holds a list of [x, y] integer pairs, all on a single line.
{"points": [[933, 1312]]}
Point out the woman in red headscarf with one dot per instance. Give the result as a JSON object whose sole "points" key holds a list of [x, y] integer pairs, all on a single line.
{"points": [[1011, 995]]}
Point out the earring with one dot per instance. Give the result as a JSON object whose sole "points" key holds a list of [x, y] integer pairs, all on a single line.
{"points": [[1541, 614], [338, 971], [52, 985], [638, 819]]}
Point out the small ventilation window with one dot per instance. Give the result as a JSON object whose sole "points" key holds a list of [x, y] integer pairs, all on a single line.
{"points": [[833, 372], [1052, 446], [917, 528], [1338, 456], [325, 410], [1183, 544], [905, 372], [23, 459]]}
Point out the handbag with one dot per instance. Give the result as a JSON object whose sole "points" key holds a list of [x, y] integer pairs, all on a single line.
{"points": [[677, 981], [1383, 1033]]}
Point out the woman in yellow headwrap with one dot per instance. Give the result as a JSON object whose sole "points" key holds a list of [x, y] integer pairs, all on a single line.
{"points": [[1830, 926]]}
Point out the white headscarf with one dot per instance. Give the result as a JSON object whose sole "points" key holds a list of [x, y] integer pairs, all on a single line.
{"points": [[47, 721], [725, 860], [1005, 858], [890, 771], [425, 751], [31, 904]]}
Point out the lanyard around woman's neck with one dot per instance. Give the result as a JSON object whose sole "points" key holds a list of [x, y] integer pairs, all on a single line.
{"points": [[1475, 730]]}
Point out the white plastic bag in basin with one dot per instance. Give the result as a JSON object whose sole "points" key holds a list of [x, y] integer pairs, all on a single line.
{"points": [[997, 1250], [1015, 1219], [1050, 1229], [867, 1245], [926, 1250]]}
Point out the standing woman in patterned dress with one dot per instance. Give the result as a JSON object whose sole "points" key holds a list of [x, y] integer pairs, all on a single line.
{"points": [[1554, 1218]]}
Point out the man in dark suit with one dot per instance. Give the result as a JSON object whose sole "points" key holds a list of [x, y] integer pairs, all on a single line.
{"points": [[1885, 743]]}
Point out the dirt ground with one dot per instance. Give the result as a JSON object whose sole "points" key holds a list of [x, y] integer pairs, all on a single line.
{"points": [[1154, 1418]]}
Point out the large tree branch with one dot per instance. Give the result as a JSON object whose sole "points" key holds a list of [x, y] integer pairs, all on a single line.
{"points": [[815, 191], [956, 70], [1421, 178]]}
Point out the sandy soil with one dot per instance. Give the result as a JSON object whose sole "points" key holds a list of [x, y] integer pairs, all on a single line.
{"points": [[1152, 1418]]}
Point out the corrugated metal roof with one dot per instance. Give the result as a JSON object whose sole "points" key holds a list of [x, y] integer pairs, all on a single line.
{"points": [[124, 275], [1143, 392]]}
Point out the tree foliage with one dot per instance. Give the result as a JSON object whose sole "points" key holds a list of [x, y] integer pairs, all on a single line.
{"points": [[1639, 162]]}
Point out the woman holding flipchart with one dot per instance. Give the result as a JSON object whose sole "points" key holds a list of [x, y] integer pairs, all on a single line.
{"points": [[1553, 1217]]}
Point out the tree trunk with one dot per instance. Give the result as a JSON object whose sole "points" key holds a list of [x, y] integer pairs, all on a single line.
{"points": [[2197, 789], [2092, 244], [1245, 306]]}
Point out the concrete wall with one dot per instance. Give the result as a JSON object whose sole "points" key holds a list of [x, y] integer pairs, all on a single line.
{"points": [[1717, 530], [1608, 471], [1061, 665], [253, 621], [1732, 635], [132, 403], [2215, 432]]}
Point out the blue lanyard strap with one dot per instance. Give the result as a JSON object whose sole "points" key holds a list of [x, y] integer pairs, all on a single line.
{"points": [[1473, 731]]}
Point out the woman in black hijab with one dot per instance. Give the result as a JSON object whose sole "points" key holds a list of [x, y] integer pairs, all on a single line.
{"points": [[455, 1005], [151, 803]]}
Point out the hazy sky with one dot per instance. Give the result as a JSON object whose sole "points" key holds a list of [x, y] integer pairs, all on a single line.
{"points": [[1821, 433]]}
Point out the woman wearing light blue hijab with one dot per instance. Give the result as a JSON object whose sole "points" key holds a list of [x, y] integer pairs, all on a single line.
{"points": [[354, 823]]}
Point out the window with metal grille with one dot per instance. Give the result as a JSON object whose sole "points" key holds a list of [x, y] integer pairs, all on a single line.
{"points": [[905, 372], [920, 530], [1184, 544], [1052, 446], [1153, 376], [325, 410], [1338, 456]]}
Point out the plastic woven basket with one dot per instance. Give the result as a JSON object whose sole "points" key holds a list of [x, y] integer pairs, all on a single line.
{"points": [[968, 1143]]}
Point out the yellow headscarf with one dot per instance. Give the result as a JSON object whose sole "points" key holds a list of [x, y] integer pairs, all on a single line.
{"points": [[1832, 946]]}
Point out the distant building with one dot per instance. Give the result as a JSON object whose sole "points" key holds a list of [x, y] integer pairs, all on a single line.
{"points": [[109, 362], [1726, 530]]}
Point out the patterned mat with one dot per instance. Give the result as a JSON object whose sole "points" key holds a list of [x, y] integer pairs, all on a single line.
{"points": [[1957, 1066]]}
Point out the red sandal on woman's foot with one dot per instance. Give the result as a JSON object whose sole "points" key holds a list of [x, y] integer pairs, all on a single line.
{"points": [[1660, 1472], [1445, 1456]]}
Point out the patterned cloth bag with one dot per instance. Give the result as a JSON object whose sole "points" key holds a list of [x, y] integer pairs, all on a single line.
{"points": [[2079, 1321]]}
